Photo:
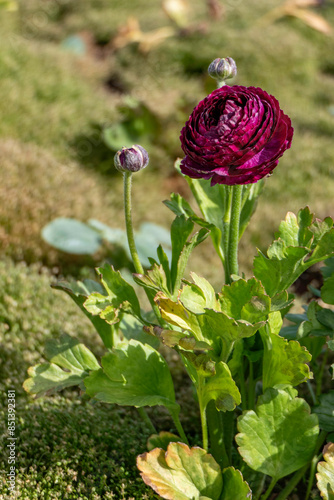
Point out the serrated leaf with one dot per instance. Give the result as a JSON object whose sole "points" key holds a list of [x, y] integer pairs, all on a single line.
{"points": [[294, 231], [222, 389], [284, 361], [72, 236], [325, 475], [162, 440], [280, 436], [281, 269], [234, 486], [182, 473], [245, 300], [79, 291], [286, 257], [64, 353], [325, 411], [134, 375]]}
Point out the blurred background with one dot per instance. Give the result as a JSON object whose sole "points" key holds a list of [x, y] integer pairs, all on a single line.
{"points": [[78, 80]]}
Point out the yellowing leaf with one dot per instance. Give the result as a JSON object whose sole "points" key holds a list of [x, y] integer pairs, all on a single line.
{"points": [[182, 473], [325, 476]]}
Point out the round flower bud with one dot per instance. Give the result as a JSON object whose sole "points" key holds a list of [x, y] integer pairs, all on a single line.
{"points": [[236, 135], [131, 159], [223, 69]]}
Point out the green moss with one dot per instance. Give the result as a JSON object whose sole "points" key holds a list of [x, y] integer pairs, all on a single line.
{"points": [[69, 449]]}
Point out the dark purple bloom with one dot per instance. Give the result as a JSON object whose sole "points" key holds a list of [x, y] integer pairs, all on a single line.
{"points": [[235, 136], [131, 159]]}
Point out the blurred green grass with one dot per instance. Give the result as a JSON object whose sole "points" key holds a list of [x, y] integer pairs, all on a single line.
{"points": [[53, 104]]}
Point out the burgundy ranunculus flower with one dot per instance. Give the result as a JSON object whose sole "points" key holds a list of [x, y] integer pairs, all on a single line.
{"points": [[235, 136]]}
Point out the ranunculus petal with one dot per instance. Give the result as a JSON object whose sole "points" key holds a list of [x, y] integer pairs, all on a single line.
{"points": [[235, 136]]}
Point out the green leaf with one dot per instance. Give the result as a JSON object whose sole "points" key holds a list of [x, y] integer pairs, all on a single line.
{"points": [[130, 328], [294, 231], [134, 375], [281, 269], [325, 411], [121, 297], [327, 291], [179, 206], [222, 389], [280, 437], [245, 300], [284, 362], [70, 354], [154, 278], [182, 248], [198, 296], [47, 378], [298, 238], [216, 324], [162, 440], [67, 353], [72, 236], [182, 473], [79, 291], [234, 486], [325, 475]]}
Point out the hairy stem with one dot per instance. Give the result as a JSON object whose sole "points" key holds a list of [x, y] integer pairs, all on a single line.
{"points": [[128, 222], [131, 240]]}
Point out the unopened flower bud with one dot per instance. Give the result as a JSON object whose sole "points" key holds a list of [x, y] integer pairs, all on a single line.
{"points": [[131, 159], [223, 69]]}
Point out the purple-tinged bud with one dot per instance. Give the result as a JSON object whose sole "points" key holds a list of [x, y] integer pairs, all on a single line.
{"points": [[131, 159], [223, 69]]}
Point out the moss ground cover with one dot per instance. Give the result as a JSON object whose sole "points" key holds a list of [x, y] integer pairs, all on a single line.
{"points": [[54, 163]]}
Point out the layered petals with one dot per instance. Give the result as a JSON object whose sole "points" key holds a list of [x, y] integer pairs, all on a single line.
{"points": [[235, 136]]}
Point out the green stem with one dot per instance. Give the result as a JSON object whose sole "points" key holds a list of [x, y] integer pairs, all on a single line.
{"points": [[258, 491], [310, 388], [243, 387], [321, 374], [131, 240], [128, 222], [270, 489], [289, 487], [233, 243], [251, 387], [202, 410], [226, 230], [228, 425], [314, 462], [217, 435], [179, 427], [147, 420]]}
